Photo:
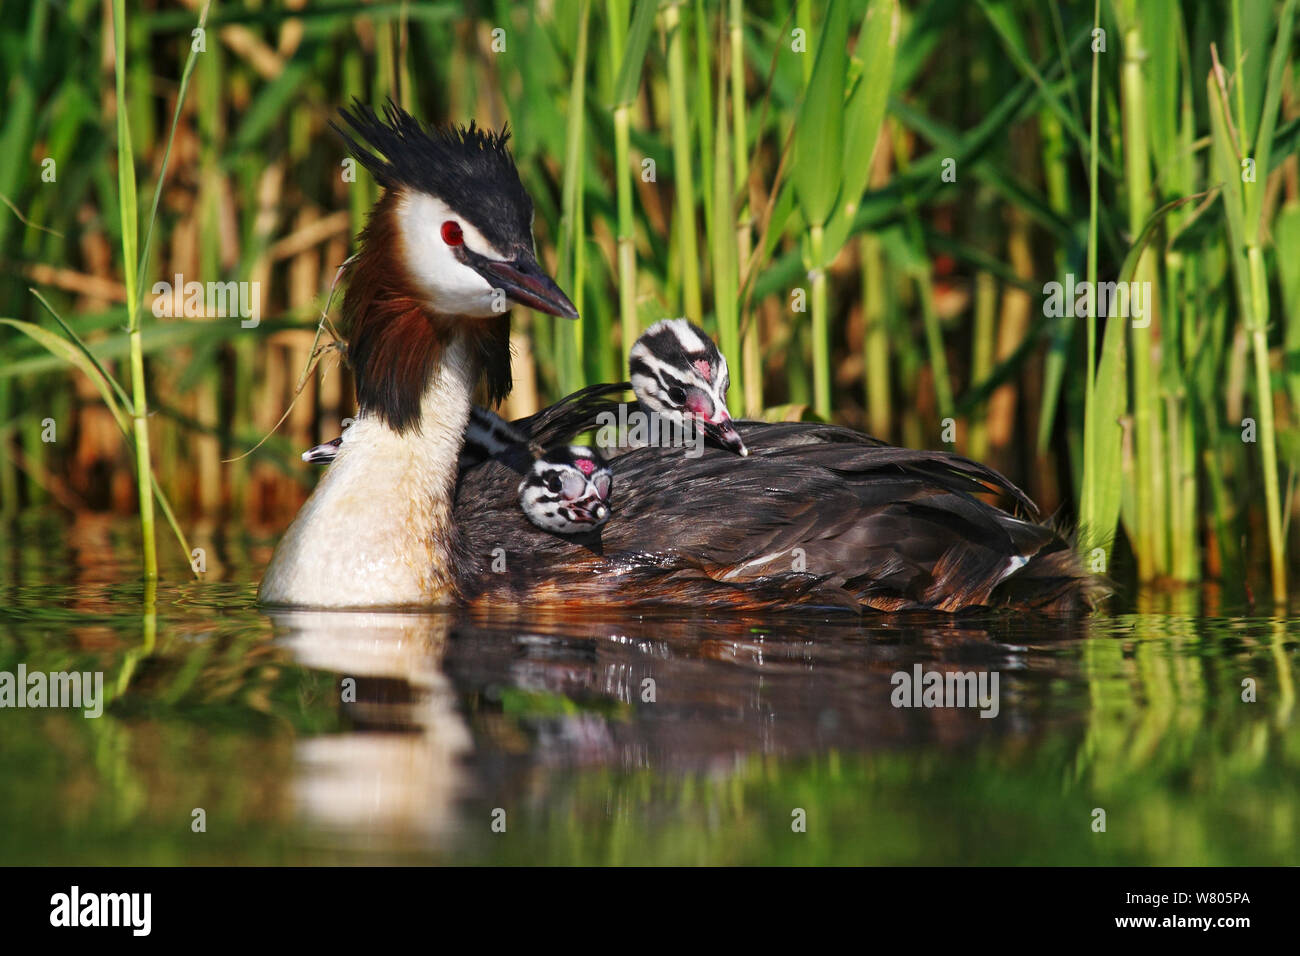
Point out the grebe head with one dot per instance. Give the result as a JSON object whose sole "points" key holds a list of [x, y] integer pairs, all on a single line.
{"points": [[463, 220], [567, 490], [447, 250], [678, 372]]}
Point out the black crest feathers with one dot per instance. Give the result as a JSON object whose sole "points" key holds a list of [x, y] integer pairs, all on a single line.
{"points": [[467, 167]]}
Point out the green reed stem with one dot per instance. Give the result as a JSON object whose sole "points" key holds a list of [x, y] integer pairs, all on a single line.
{"points": [[569, 341], [1056, 176], [821, 336], [1150, 512], [1090, 518], [687, 242], [982, 352], [749, 381], [1243, 204], [130, 236], [629, 319], [627, 51], [1257, 327], [703, 118], [875, 337], [1253, 228], [726, 281], [616, 15]]}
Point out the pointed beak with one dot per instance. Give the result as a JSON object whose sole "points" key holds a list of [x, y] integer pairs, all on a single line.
{"points": [[594, 511], [323, 454], [524, 282], [725, 434]]}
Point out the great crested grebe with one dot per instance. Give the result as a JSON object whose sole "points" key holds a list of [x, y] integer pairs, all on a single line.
{"points": [[816, 516]]}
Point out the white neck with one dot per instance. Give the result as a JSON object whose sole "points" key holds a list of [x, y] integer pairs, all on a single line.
{"points": [[378, 531]]}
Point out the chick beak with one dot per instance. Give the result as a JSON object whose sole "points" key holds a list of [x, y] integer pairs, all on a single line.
{"points": [[592, 511], [725, 434]]}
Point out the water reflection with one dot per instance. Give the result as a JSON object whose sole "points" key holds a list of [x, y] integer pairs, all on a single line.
{"points": [[660, 692], [314, 736], [398, 772]]}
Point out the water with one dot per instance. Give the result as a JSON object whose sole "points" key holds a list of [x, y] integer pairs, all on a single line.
{"points": [[625, 739]]}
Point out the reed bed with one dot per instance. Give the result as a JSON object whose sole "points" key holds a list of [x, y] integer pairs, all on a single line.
{"points": [[866, 201]]}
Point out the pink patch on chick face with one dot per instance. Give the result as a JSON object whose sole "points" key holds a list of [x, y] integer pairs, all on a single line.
{"points": [[585, 465], [702, 367], [699, 404]]}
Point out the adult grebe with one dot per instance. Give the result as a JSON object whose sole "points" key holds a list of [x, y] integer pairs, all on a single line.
{"points": [[815, 516]]}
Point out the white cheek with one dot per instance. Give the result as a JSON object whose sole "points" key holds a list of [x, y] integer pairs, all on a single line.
{"points": [[448, 285], [646, 389]]}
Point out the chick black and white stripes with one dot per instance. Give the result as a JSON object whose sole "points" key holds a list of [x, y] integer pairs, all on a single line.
{"points": [[677, 372], [567, 490]]}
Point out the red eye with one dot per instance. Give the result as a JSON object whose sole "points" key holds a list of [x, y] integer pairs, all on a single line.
{"points": [[451, 233]]}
